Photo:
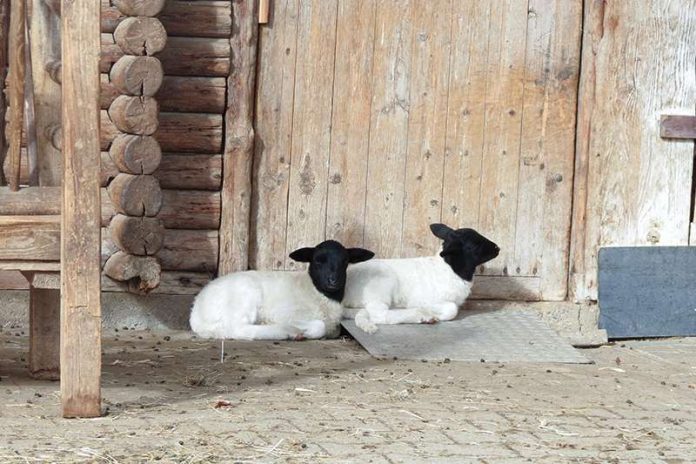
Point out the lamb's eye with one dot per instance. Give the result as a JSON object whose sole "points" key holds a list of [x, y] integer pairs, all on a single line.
{"points": [[321, 259]]}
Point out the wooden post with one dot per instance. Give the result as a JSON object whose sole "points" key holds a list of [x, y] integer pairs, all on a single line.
{"points": [[80, 340], [16, 89], [4, 22], [239, 142], [44, 332]]}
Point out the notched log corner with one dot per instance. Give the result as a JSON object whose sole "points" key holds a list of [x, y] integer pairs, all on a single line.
{"points": [[141, 273]]}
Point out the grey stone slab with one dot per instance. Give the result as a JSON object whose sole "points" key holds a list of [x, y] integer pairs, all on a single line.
{"points": [[647, 291], [510, 336]]}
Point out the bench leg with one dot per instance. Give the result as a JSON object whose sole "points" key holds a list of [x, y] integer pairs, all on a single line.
{"points": [[44, 333]]}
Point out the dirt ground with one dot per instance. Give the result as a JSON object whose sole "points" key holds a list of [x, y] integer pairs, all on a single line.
{"points": [[169, 399]]}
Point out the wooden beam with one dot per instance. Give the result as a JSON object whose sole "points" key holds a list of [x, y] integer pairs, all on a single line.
{"points": [[80, 350], [678, 127], [29, 238], [16, 89], [239, 141]]}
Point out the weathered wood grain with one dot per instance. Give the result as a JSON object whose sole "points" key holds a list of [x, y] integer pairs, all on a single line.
{"points": [[273, 123], [388, 128], [135, 195], [4, 29], [135, 154], [80, 338], [45, 53], [137, 75], [202, 18], [465, 113], [177, 132], [548, 128], [15, 89], [30, 201], [142, 273], [183, 56], [29, 238], [142, 236], [427, 126], [181, 209], [135, 115], [352, 95], [44, 333], [311, 134], [239, 142], [501, 150], [179, 94], [637, 184], [140, 35], [176, 171], [139, 7]]}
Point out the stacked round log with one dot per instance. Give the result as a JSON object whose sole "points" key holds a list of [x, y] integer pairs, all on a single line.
{"points": [[135, 192], [192, 101]]}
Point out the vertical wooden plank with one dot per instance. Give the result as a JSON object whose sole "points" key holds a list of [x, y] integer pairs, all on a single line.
{"points": [[593, 26], [432, 22], [239, 140], [345, 211], [465, 113], [44, 333], [311, 132], [388, 126], [638, 185], [80, 351], [45, 47], [274, 116], [4, 30], [501, 153], [16, 89], [547, 147]]}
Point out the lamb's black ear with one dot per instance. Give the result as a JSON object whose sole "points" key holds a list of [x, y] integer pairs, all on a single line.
{"points": [[358, 255], [302, 255], [441, 231]]}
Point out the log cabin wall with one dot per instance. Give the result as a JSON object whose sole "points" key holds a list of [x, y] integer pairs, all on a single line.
{"points": [[192, 102]]}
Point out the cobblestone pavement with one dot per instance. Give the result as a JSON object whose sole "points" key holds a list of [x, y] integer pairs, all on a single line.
{"points": [[170, 399]]}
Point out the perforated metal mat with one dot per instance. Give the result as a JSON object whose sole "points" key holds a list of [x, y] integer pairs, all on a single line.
{"points": [[497, 336]]}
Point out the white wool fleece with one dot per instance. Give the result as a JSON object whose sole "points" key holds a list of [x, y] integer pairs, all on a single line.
{"points": [[408, 290], [272, 305]]}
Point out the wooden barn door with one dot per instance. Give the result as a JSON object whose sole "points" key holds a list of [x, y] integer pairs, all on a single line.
{"points": [[375, 118]]}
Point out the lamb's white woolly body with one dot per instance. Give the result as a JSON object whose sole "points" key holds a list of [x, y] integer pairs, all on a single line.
{"points": [[411, 290], [264, 305]]}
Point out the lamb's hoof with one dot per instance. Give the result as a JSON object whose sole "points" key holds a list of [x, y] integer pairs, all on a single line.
{"points": [[300, 338], [367, 326], [432, 320]]}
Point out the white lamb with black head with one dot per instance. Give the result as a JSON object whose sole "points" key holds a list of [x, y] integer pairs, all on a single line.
{"points": [[417, 290], [278, 305]]}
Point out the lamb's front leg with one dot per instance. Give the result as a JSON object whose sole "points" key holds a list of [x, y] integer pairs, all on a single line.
{"points": [[374, 313], [434, 313]]}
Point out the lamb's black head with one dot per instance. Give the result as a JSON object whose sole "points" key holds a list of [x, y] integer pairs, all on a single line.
{"points": [[328, 263], [464, 249]]}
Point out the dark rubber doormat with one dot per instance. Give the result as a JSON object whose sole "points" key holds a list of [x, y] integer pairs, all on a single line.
{"points": [[647, 291], [493, 336]]}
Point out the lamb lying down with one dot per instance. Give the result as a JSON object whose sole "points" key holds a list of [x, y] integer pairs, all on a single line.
{"points": [[415, 290], [277, 305]]}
